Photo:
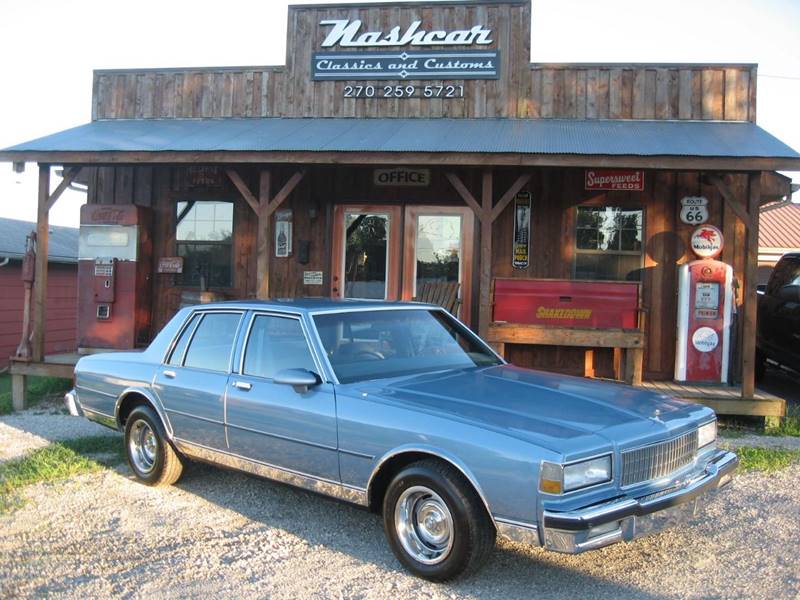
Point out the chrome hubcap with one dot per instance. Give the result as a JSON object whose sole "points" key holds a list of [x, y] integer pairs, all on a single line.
{"points": [[142, 446], [424, 525]]}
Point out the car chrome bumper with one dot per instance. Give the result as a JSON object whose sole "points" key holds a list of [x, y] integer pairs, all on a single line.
{"points": [[73, 404], [626, 519], [623, 519]]}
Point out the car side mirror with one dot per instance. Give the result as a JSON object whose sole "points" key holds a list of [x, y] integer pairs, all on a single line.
{"points": [[299, 379]]}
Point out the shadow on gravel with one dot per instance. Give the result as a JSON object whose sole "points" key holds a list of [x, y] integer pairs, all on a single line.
{"points": [[514, 571]]}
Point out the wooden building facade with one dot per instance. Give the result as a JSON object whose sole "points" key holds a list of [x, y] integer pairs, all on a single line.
{"points": [[465, 197]]}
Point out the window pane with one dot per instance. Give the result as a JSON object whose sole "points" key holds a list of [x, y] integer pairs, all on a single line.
{"points": [[211, 261], [631, 239], [180, 347], [587, 239], [608, 242], [204, 221], [438, 248], [611, 267], [212, 344], [366, 252], [276, 343]]}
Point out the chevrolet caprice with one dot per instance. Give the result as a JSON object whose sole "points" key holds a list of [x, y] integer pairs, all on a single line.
{"points": [[401, 409]]}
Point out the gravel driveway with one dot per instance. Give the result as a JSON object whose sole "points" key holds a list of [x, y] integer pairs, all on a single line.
{"points": [[224, 533]]}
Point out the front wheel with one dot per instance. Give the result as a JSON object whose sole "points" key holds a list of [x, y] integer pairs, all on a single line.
{"points": [[435, 522], [150, 456]]}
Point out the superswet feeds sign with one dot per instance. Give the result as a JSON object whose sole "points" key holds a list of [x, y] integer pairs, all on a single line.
{"points": [[404, 64], [614, 179]]}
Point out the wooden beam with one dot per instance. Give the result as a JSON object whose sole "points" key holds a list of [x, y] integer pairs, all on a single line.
{"points": [[485, 279], [243, 189], [262, 236], [516, 333], [465, 159], [465, 194], [730, 198], [750, 299], [284, 192], [69, 176], [774, 185], [40, 283], [521, 181]]}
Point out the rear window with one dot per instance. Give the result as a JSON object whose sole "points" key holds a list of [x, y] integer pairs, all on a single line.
{"points": [[212, 343]]}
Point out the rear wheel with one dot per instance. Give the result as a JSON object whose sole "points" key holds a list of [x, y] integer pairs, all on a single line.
{"points": [[151, 457], [435, 522]]}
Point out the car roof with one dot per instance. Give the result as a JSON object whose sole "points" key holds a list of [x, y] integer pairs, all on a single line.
{"points": [[314, 305]]}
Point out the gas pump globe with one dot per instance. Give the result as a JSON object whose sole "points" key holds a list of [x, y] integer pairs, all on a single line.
{"points": [[705, 309]]}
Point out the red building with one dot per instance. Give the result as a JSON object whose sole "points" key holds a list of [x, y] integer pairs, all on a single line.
{"points": [[62, 289]]}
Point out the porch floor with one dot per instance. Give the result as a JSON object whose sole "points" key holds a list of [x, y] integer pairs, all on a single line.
{"points": [[724, 399]]}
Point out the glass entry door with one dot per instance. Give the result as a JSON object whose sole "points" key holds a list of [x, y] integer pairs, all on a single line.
{"points": [[366, 252]]}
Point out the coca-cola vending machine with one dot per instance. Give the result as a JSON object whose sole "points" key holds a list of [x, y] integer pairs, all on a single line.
{"points": [[705, 312], [114, 283]]}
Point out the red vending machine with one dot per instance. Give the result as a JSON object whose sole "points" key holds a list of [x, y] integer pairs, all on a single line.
{"points": [[114, 267], [705, 310]]}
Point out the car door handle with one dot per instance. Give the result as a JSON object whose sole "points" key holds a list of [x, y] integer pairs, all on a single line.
{"points": [[169, 374], [243, 385]]}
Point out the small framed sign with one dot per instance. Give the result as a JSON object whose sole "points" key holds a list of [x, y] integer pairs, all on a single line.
{"points": [[283, 233], [170, 264], [694, 210], [312, 277], [522, 230]]}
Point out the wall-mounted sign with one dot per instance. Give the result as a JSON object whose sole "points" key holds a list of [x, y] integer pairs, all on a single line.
{"points": [[522, 230], [345, 33], [283, 233], [401, 177], [451, 64], [707, 241], [694, 210], [614, 179], [170, 264], [312, 277]]}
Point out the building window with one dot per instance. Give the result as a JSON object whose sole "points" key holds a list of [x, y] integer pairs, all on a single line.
{"points": [[608, 243], [204, 238]]}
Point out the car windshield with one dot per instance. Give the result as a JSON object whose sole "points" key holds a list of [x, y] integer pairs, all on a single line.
{"points": [[375, 344]]}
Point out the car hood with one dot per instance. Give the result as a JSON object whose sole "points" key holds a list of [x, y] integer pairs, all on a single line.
{"points": [[557, 412]]}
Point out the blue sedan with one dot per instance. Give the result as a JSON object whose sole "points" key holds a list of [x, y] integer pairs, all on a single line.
{"points": [[400, 408]]}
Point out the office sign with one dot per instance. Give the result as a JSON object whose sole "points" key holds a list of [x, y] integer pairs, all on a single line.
{"points": [[401, 177]]}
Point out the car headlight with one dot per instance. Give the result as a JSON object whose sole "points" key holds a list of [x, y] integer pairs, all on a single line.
{"points": [[555, 478], [707, 434]]}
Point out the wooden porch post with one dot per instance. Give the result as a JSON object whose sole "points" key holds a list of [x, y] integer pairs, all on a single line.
{"points": [[40, 283], [485, 280], [262, 237], [750, 299]]}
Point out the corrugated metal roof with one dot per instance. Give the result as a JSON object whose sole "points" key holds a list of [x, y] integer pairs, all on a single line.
{"points": [[780, 227], [523, 136], [62, 244]]}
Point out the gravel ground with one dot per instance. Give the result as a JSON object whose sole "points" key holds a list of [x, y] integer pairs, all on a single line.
{"points": [[223, 533], [761, 441]]}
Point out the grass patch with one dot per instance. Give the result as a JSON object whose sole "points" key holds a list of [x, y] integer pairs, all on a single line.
{"points": [[766, 459], [731, 434], [39, 388], [789, 425], [55, 462]]}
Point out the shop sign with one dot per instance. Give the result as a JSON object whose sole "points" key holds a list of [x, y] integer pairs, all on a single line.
{"points": [[614, 179], [694, 210], [522, 230], [363, 66], [170, 264], [312, 277], [283, 233], [346, 33], [707, 241], [401, 177]]}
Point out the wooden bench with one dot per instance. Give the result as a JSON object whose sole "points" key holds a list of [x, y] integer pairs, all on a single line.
{"points": [[627, 341], [443, 293]]}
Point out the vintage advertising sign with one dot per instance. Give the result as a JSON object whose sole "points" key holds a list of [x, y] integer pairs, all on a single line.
{"points": [[614, 179], [170, 264], [312, 277], [283, 233], [522, 230], [401, 177], [707, 241], [401, 64], [694, 210]]}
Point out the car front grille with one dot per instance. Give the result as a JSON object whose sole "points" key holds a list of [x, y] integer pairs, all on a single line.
{"points": [[658, 460]]}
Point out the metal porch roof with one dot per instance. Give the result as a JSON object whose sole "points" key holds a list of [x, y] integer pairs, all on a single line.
{"points": [[591, 137]]}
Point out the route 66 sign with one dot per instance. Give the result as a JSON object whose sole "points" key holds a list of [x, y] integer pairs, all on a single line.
{"points": [[694, 210]]}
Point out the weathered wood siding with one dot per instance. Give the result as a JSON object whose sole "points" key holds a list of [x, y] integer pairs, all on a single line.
{"points": [[523, 90]]}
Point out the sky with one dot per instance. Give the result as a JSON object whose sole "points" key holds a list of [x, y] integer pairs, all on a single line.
{"points": [[48, 49]]}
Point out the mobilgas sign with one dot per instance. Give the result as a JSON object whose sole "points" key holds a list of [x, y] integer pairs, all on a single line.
{"points": [[404, 64]]}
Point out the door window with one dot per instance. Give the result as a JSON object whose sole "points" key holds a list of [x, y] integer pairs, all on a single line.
{"points": [[274, 344], [366, 255], [213, 341], [438, 250]]}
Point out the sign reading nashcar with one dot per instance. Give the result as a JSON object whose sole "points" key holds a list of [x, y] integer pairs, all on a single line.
{"points": [[404, 64]]}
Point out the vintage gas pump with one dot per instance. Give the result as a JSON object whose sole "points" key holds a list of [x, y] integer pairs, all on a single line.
{"points": [[115, 253], [705, 309]]}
